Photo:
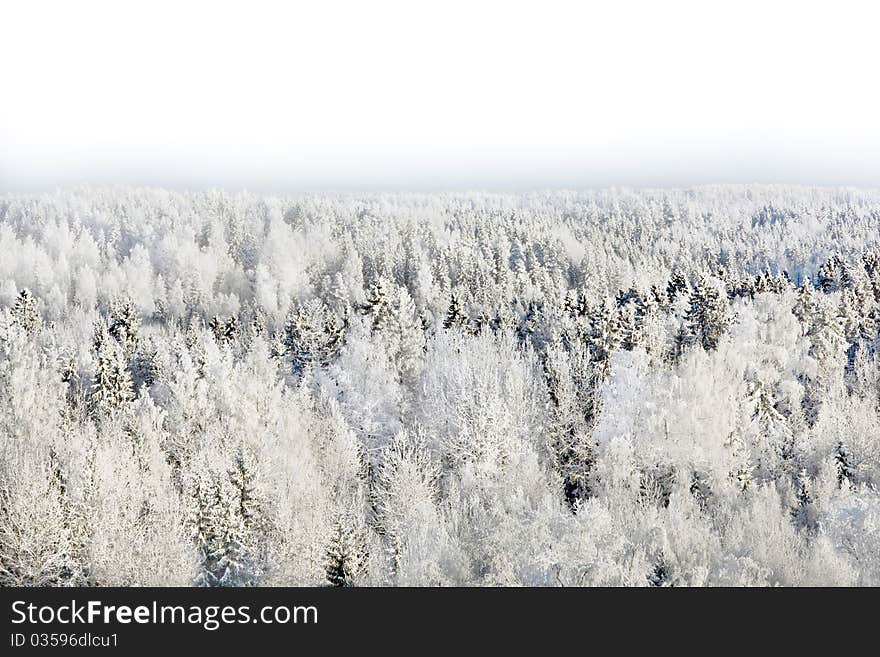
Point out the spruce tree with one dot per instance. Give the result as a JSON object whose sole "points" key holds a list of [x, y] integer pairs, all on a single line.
{"points": [[454, 314], [377, 305], [26, 314], [313, 335], [804, 513], [629, 323], [232, 557], [602, 337], [830, 274], [676, 286], [124, 324], [769, 424], [344, 555], [112, 387], [707, 316], [806, 306], [843, 465], [225, 331]]}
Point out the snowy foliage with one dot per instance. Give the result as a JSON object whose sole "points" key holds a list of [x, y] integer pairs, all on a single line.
{"points": [[646, 388]]}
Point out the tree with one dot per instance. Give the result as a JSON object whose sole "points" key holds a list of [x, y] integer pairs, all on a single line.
{"points": [[843, 465], [225, 331], [571, 412], [26, 314], [313, 335], [806, 306], [769, 424], [454, 314], [831, 273], [124, 325], [377, 301], [676, 286], [708, 317], [602, 338], [112, 385], [630, 314], [345, 554], [402, 335]]}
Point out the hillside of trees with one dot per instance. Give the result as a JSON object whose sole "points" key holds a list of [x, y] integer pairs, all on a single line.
{"points": [[618, 387]]}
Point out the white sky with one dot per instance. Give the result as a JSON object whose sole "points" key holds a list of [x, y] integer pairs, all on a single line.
{"points": [[426, 95]]}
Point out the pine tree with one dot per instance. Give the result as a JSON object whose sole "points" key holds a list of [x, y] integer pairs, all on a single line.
{"points": [[242, 477], [529, 323], [699, 489], [231, 330], [681, 342], [232, 554], [871, 264], [217, 326], [571, 400], [204, 500]]}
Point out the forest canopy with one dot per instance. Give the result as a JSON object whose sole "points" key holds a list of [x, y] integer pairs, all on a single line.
{"points": [[617, 387]]}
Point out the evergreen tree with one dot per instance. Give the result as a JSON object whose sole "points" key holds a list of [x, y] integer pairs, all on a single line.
{"points": [[843, 465], [26, 314], [232, 556], [676, 286], [659, 575], [682, 339], [205, 501], [602, 338], [571, 396], [708, 317], [124, 325], [112, 387], [377, 305], [830, 274], [630, 315], [806, 306], [313, 335], [454, 314], [246, 499], [403, 337], [225, 331], [769, 424], [345, 555], [804, 513], [699, 489]]}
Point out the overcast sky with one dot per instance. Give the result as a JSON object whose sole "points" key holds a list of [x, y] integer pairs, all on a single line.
{"points": [[438, 95]]}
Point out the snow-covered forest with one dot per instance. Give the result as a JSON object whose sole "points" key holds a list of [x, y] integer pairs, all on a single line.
{"points": [[638, 388]]}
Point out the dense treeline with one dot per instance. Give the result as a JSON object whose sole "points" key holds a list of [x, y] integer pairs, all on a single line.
{"points": [[601, 388]]}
